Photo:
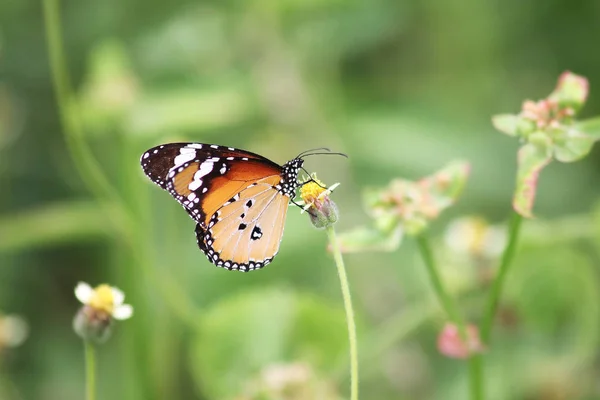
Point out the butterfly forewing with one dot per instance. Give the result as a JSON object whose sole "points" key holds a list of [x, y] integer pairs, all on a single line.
{"points": [[202, 177]]}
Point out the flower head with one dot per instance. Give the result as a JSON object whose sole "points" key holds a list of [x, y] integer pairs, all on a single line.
{"points": [[292, 381], [101, 305], [548, 130], [415, 204], [104, 298], [315, 195], [406, 207]]}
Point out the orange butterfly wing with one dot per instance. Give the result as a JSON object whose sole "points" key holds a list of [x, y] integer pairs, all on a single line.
{"points": [[239, 199]]}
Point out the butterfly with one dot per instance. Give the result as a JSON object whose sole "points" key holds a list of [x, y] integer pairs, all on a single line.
{"points": [[238, 199]]}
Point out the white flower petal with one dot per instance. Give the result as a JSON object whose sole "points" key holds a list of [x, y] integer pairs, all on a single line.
{"points": [[122, 312], [84, 292], [118, 296]]}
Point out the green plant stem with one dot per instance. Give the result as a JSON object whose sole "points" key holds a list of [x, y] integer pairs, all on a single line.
{"points": [[446, 301], [339, 262], [451, 310], [498, 284], [496, 291], [85, 163], [89, 169], [494, 295], [90, 370]]}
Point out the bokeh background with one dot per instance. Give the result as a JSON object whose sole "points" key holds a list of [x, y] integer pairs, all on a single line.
{"points": [[402, 87]]}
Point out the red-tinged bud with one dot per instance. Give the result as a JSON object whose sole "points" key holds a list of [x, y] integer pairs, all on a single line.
{"points": [[451, 344]]}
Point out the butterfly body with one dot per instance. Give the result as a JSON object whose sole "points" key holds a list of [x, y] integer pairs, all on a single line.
{"points": [[238, 199]]}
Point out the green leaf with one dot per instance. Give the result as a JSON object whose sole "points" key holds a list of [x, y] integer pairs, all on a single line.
{"points": [[367, 239], [590, 127], [574, 147], [531, 159], [244, 334], [506, 123]]}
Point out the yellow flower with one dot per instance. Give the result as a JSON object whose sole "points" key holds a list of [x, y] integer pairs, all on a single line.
{"points": [[315, 196], [313, 190], [104, 298]]}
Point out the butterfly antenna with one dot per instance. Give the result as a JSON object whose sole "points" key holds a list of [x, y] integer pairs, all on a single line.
{"points": [[324, 154], [308, 151]]}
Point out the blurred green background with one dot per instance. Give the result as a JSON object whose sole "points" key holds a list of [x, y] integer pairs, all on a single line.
{"points": [[403, 87]]}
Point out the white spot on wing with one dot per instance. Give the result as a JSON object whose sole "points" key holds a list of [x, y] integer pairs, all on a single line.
{"points": [[205, 168], [186, 155], [195, 184]]}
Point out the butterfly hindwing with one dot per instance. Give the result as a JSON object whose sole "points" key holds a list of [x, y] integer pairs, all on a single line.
{"points": [[245, 234]]}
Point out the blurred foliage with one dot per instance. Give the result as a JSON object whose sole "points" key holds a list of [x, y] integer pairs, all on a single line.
{"points": [[402, 87]]}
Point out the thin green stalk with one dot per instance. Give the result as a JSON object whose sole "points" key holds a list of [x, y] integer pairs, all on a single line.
{"points": [[90, 370], [446, 301], [339, 262], [85, 163], [451, 310], [498, 284], [495, 293]]}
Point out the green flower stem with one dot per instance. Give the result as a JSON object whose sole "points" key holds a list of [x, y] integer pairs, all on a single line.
{"points": [[497, 285], [86, 164], [89, 169], [339, 262], [451, 310], [90, 370], [446, 301], [494, 295]]}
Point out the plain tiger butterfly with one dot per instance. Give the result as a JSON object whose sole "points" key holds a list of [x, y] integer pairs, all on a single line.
{"points": [[238, 199]]}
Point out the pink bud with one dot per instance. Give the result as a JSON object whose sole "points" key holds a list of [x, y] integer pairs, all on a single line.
{"points": [[452, 345], [571, 89]]}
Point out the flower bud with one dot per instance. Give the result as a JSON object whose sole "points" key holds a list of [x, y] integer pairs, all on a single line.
{"points": [[93, 324], [571, 90], [452, 345], [323, 213]]}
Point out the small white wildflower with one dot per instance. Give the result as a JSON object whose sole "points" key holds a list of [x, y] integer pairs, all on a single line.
{"points": [[101, 305], [104, 298]]}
